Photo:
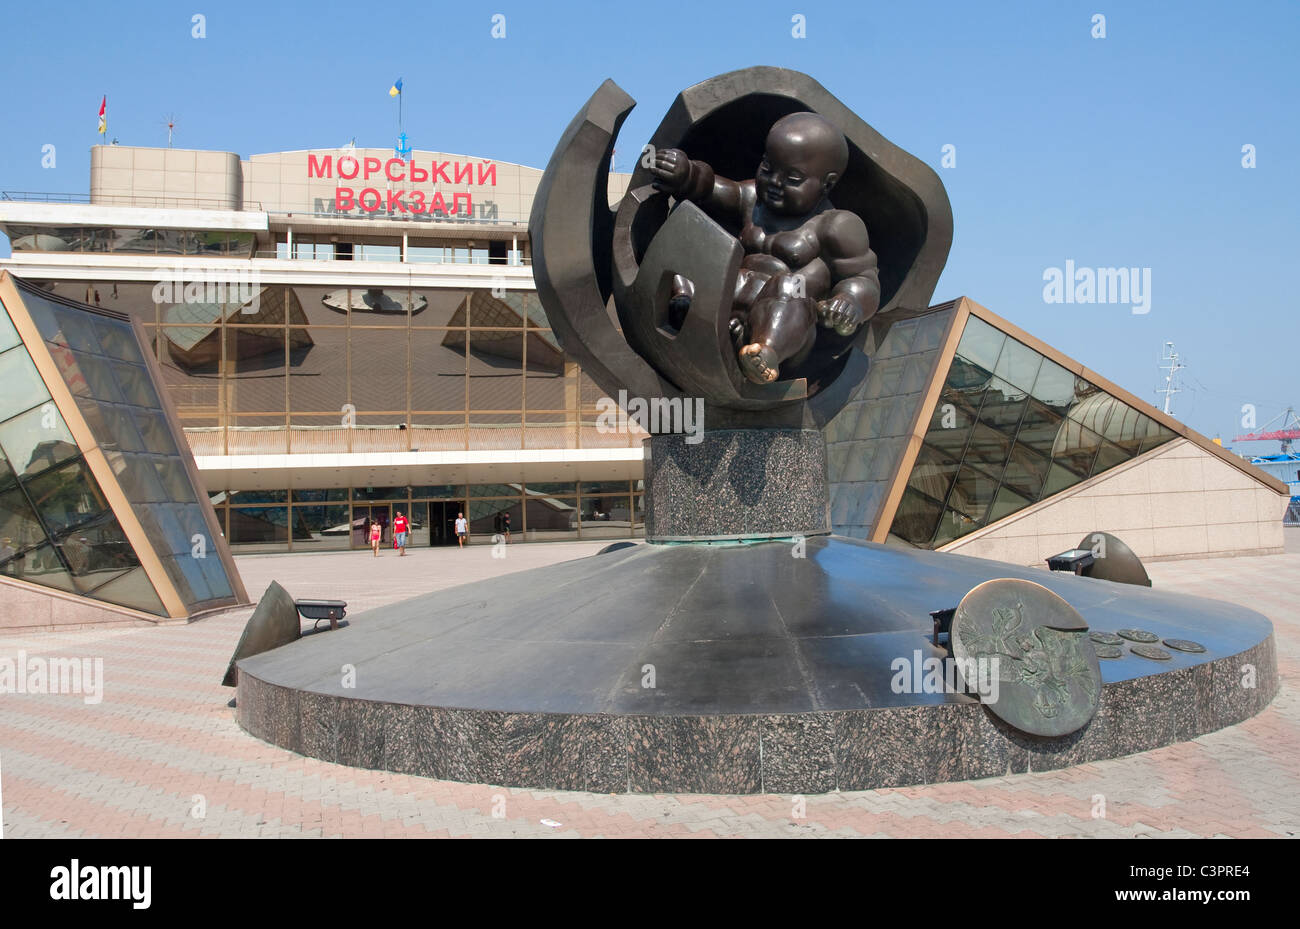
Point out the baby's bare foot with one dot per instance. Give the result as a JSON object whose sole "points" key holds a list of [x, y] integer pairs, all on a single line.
{"points": [[759, 363]]}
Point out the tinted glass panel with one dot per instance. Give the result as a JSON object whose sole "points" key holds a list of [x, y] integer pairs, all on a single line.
{"points": [[379, 493], [972, 492], [41, 566], [112, 425], [7, 476], [604, 487], [259, 524], [1018, 365], [981, 344], [1054, 385], [155, 435], [1007, 502], [187, 574], [214, 574], [174, 479], [917, 517], [116, 338], [8, 334], [23, 388], [67, 497], [1026, 471], [87, 375], [261, 496], [551, 517], [1075, 448], [988, 448], [37, 439], [1003, 406], [133, 590], [1108, 456], [1038, 428], [439, 491], [933, 472], [19, 528], [138, 477], [322, 496]]}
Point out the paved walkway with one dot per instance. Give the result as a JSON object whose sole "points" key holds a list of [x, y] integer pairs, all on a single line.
{"points": [[161, 754]]}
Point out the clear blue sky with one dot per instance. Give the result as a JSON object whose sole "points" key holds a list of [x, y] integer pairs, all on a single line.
{"points": [[1122, 151]]}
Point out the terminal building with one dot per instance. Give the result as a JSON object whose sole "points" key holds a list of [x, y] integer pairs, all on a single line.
{"points": [[342, 342], [343, 335]]}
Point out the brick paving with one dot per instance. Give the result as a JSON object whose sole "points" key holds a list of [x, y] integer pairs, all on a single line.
{"points": [[161, 755]]}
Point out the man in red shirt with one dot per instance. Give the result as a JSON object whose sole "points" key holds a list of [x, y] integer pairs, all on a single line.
{"points": [[400, 528]]}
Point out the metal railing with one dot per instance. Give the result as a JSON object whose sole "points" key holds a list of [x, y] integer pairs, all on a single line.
{"points": [[202, 203], [414, 260], [28, 196]]}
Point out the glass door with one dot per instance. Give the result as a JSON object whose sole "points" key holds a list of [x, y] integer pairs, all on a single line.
{"points": [[362, 515]]}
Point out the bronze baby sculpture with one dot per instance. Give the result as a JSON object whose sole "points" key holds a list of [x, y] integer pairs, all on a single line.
{"points": [[806, 262]]}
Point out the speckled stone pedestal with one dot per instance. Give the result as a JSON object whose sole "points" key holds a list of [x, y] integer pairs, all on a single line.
{"points": [[736, 484], [726, 668]]}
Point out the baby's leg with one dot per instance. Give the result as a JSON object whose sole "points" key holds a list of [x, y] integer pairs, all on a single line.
{"points": [[749, 284], [781, 328]]}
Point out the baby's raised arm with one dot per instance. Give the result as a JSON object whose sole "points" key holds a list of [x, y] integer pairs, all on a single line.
{"points": [[685, 179]]}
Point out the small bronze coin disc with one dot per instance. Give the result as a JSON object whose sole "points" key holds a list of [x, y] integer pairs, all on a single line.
{"points": [[1036, 645], [1139, 635], [1106, 638], [1104, 650], [1153, 652], [1185, 645]]}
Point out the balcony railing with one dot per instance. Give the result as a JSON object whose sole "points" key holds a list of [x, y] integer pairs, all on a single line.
{"points": [[411, 259], [132, 200], [28, 196], [316, 440]]}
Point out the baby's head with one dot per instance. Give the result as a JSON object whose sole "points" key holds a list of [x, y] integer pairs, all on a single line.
{"points": [[805, 157]]}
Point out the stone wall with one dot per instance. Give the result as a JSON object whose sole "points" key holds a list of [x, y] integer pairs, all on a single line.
{"points": [[29, 608]]}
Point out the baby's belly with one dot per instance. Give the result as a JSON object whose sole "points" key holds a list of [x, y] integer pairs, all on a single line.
{"points": [[816, 275]]}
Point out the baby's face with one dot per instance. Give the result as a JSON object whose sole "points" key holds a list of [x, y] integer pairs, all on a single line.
{"points": [[791, 179]]}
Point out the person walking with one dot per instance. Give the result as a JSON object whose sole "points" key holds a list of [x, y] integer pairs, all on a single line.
{"points": [[376, 532], [400, 528], [505, 526], [462, 529]]}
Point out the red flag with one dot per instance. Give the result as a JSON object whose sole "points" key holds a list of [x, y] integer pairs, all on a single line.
{"points": [[103, 110]]}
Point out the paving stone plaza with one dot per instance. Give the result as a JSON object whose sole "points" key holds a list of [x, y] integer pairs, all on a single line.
{"points": [[161, 755]]}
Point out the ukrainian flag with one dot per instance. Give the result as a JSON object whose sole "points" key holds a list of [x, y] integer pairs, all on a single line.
{"points": [[396, 88]]}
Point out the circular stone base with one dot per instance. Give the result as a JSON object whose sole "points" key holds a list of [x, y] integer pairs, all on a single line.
{"points": [[726, 668]]}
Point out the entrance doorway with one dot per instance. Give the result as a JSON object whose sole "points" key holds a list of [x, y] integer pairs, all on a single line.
{"points": [[362, 514], [440, 519]]}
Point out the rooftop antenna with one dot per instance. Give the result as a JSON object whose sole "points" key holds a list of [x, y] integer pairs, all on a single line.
{"points": [[170, 123], [1172, 365]]}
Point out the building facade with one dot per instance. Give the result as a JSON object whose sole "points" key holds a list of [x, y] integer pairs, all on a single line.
{"points": [[342, 343]]}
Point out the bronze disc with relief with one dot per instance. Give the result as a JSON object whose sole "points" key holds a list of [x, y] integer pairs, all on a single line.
{"points": [[1049, 681]]}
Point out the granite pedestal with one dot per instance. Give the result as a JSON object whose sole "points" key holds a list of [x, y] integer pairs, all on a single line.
{"points": [[726, 667], [736, 483]]}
